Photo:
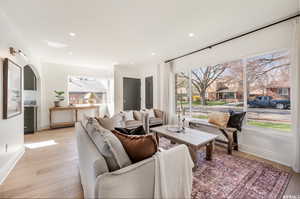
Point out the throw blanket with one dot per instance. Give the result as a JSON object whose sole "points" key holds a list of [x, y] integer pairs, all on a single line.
{"points": [[173, 173]]}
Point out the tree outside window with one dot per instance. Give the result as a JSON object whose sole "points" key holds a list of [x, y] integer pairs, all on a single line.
{"points": [[217, 88], [182, 93], [222, 87], [269, 91]]}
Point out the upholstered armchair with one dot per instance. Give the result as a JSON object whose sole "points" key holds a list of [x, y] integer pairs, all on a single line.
{"points": [[153, 118]]}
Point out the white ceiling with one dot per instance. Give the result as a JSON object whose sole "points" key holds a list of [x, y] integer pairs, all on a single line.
{"points": [[130, 30]]}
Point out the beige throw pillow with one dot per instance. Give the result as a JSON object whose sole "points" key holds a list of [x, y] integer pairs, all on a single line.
{"points": [[108, 145], [106, 122], [219, 118], [138, 115]]}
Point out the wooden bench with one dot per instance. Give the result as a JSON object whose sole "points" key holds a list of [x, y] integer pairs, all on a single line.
{"points": [[229, 133]]}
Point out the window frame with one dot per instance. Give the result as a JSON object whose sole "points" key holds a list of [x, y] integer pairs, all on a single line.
{"points": [[285, 93], [245, 92], [106, 95]]}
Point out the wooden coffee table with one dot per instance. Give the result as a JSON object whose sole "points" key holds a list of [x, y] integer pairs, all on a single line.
{"points": [[194, 139]]}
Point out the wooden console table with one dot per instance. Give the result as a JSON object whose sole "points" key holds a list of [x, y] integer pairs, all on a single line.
{"points": [[75, 110]]}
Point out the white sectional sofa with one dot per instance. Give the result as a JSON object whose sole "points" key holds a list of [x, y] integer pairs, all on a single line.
{"points": [[134, 181]]}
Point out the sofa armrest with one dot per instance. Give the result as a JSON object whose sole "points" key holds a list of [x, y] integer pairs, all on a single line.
{"points": [[134, 181], [91, 163], [146, 121]]}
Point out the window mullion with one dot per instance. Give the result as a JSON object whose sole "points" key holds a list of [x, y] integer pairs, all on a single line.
{"points": [[190, 93], [245, 88]]}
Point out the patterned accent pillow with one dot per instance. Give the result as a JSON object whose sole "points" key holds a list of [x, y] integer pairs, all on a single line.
{"points": [[219, 119], [128, 115], [108, 145], [158, 113], [136, 131]]}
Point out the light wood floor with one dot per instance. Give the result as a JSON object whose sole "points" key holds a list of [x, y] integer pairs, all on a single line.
{"points": [[46, 172], [52, 171]]}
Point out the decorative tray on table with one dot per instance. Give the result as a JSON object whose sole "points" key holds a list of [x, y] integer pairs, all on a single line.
{"points": [[175, 129]]}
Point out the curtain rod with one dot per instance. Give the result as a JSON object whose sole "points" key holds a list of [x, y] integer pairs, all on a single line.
{"points": [[236, 37]]}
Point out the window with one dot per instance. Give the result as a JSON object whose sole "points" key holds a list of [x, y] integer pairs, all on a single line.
{"points": [[217, 88], [283, 91], [263, 81], [82, 88], [182, 93], [268, 80]]}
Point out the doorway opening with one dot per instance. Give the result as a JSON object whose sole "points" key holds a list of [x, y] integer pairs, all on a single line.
{"points": [[131, 94], [149, 92], [30, 100]]}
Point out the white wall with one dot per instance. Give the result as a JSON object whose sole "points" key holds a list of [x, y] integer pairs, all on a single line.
{"points": [[55, 77], [148, 71], [274, 38], [11, 130], [140, 72]]}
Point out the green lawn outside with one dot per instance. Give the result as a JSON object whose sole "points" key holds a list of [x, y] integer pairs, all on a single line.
{"points": [[200, 116], [215, 103], [277, 126], [272, 125], [208, 103]]}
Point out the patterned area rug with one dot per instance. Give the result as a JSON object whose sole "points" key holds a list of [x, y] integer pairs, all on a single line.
{"points": [[229, 176]]}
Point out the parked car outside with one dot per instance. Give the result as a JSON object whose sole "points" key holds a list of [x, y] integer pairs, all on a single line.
{"points": [[268, 102]]}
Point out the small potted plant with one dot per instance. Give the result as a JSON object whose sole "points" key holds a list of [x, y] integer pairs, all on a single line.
{"points": [[92, 98], [59, 97]]}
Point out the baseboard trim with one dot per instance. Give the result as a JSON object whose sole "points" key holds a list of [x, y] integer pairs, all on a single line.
{"points": [[8, 167], [268, 155]]}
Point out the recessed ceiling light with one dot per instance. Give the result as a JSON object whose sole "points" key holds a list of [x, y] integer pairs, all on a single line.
{"points": [[153, 54], [70, 53], [72, 34], [191, 34], [55, 44]]}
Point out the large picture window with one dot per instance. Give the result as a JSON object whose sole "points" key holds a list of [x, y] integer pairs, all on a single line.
{"points": [[81, 89], [259, 85], [217, 88], [269, 91], [182, 93]]}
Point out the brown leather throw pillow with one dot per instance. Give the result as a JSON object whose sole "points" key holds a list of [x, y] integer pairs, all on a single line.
{"points": [[138, 147]]}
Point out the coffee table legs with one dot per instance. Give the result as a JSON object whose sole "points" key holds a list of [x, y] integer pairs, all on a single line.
{"points": [[209, 150], [193, 152]]}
